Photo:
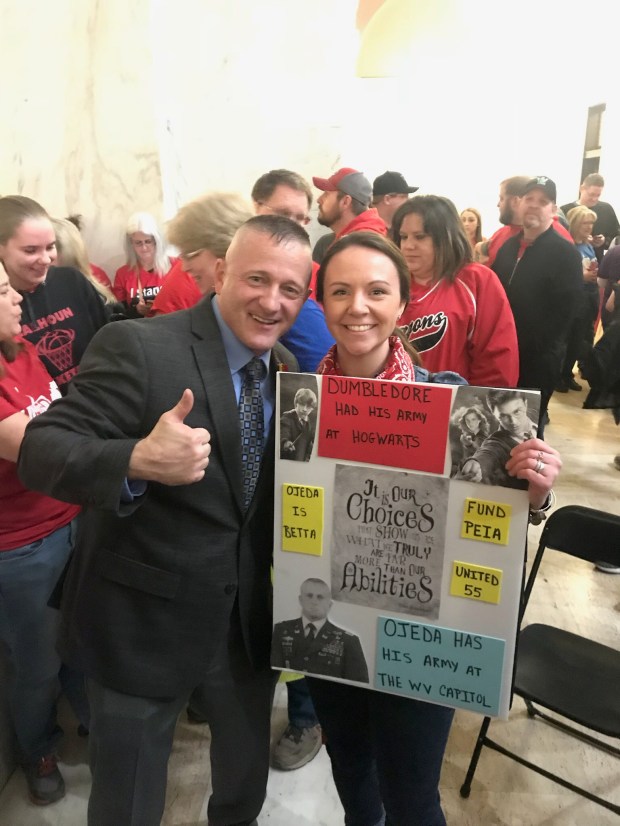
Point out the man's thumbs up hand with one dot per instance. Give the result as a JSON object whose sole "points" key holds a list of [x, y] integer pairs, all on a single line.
{"points": [[182, 408], [173, 453]]}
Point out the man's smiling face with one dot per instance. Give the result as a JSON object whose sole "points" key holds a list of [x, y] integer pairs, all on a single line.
{"points": [[262, 286]]}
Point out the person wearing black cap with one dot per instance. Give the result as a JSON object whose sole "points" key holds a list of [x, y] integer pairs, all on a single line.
{"points": [[389, 191], [344, 206], [542, 276], [510, 191]]}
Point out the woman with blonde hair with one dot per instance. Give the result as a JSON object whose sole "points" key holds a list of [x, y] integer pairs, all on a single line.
{"points": [[139, 280], [202, 231], [72, 253], [580, 339]]}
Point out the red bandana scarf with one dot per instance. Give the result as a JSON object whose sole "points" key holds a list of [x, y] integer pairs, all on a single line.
{"points": [[399, 366]]}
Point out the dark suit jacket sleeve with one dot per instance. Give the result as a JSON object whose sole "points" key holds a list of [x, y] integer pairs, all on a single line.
{"points": [[355, 666], [79, 449], [286, 428]]}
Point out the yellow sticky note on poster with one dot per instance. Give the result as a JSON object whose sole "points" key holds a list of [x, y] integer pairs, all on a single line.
{"points": [[486, 521], [476, 582], [302, 519]]}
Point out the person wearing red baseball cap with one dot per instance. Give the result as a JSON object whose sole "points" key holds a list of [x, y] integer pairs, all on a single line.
{"points": [[344, 206]]}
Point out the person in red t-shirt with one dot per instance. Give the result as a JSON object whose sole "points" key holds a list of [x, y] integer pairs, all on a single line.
{"points": [[101, 276], [458, 316], [139, 280], [36, 539], [178, 292]]}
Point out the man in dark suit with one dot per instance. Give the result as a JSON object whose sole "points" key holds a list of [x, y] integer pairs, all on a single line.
{"points": [[169, 590], [314, 644]]}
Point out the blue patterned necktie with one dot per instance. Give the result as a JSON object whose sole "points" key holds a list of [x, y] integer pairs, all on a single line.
{"points": [[251, 419]]}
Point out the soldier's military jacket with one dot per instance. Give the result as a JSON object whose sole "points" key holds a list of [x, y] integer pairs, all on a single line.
{"points": [[334, 652]]}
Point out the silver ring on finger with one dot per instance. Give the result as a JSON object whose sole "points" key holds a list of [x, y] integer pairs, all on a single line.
{"points": [[540, 455], [540, 466]]}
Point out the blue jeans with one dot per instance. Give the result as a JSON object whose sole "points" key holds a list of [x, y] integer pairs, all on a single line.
{"points": [[301, 712], [28, 629], [386, 753]]}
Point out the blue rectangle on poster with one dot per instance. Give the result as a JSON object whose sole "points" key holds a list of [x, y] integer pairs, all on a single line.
{"points": [[446, 665]]}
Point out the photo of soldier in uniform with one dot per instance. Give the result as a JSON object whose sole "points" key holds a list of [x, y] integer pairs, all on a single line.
{"points": [[313, 644], [491, 424], [297, 425]]}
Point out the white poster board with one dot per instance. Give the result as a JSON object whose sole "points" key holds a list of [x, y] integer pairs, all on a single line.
{"points": [[410, 574]]}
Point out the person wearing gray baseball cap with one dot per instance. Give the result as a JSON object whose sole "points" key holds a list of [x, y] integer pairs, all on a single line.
{"points": [[389, 191], [344, 206]]}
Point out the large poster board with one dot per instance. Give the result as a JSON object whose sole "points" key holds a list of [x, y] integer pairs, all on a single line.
{"points": [[400, 539]]}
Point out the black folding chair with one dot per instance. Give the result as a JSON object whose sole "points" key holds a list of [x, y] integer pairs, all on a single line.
{"points": [[572, 676]]}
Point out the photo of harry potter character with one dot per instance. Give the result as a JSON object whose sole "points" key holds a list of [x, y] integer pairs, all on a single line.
{"points": [[297, 427], [515, 414], [314, 644]]}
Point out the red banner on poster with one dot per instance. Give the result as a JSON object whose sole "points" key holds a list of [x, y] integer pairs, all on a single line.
{"points": [[385, 422]]}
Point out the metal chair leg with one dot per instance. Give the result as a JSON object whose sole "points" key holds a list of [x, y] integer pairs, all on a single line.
{"points": [[466, 787]]}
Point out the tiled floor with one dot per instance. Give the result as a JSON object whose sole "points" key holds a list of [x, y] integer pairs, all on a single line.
{"points": [[503, 793]]}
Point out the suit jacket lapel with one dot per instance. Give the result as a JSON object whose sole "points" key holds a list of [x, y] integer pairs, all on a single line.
{"points": [[212, 365]]}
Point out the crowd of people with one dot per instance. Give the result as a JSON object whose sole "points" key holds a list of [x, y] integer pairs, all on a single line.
{"points": [[137, 457]]}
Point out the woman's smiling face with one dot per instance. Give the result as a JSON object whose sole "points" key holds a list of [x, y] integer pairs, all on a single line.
{"points": [[362, 302], [29, 253]]}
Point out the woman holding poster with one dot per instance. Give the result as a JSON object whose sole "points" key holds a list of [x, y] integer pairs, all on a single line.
{"points": [[387, 750]]}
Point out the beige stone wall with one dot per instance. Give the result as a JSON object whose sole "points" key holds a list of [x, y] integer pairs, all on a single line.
{"points": [[77, 130]]}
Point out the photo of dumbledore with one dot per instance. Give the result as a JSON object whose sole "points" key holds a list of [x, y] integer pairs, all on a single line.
{"points": [[314, 644]]}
